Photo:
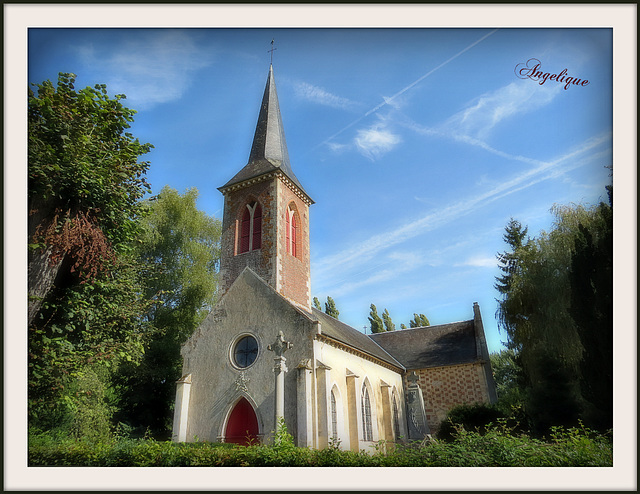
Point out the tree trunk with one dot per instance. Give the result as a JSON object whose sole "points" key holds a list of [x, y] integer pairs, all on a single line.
{"points": [[42, 275]]}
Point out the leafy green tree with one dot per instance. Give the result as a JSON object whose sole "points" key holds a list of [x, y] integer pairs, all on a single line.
{"points": [[507, 374], [316, 303], [85, 298], [388, 323], [85, 182], [179, 252], [419, 321], [540, 310], [377, 325], [403, 326], [330, 308], [591, 281]]}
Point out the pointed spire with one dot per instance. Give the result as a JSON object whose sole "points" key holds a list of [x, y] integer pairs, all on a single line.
{"points": [[269, 149]]}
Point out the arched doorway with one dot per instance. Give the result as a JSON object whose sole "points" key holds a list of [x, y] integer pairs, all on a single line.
{"points": [[242, 426]]}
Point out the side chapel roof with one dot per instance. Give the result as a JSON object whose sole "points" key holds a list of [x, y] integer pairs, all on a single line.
{"points": [[269, 149], [349, 336], [432, 346]]}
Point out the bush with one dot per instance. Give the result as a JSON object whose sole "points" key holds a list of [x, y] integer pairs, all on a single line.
{"points": [[475, 417], [498, 446]]}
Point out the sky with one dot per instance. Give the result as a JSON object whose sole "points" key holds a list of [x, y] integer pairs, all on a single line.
{"points": [[417, 145]]}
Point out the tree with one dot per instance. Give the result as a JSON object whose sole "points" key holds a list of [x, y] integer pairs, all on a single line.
{"points": [[388, 323], [514, 237], [507, 374], [403, 326], [179, 252], [85, 299], [84, 183], [316, 303], [330, 308], [419, 321], [377, 326], [591, 281], [545, 294]]}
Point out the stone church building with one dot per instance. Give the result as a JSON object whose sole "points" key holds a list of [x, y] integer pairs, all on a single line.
{"points": [[265, 354]]}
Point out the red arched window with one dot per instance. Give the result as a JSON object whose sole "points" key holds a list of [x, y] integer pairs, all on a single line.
{"points": [[244, 231], [251, 228], [257, 228], [293, 234]]}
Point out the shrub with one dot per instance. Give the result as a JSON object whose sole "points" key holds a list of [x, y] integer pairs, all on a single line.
{"points": [[497, 446], [474, 417]]}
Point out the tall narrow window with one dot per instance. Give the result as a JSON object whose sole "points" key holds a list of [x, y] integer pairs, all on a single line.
{"points": [[251, 228], [294, 228], [288, 232], [257, 228], [292, 232], [396, 419], [367, 432], [334, 417]]}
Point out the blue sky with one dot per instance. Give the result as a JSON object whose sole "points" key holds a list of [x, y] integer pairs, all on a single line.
{"points": [[418, 145]]}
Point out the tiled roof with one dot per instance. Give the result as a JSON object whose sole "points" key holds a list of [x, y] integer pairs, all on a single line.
{"points": [[344, 333], [269, 150], [431, 346]]}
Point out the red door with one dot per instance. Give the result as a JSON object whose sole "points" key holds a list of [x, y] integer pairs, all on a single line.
{"points": [[242, 427]]}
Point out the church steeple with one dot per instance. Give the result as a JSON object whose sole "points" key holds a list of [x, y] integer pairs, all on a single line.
{"points": [[266, 213], [269, 149]]}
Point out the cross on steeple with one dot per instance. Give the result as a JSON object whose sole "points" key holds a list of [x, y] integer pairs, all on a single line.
{"points": [[272, 50]]}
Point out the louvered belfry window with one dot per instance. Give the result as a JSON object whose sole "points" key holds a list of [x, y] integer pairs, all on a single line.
{"points": [[257, 228], [244, 231], [294, 229], [288, 232], [292, 232], [251, 228]]}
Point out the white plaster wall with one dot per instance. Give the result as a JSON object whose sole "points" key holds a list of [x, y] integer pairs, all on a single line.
{"points": [[339, 361]]}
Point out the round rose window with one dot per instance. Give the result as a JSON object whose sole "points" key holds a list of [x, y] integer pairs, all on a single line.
{"points": [[245, 351]]}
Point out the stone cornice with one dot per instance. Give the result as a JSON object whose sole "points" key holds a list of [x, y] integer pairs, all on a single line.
{"points": [[268, 176], [356, 351]]}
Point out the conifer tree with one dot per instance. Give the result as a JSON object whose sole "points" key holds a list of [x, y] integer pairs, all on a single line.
{"points": [[419, 321], [377, 326], [330, 308], [316, 303], [388, 323]]}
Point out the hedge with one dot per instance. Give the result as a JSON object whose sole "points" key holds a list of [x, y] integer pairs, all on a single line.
{"points": [[496, 448]]}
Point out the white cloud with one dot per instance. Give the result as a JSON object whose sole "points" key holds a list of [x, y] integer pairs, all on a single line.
{"points": [[391, 100], [338, 265], [490, 109], [479, 262], [375, 141], [318, 95], [153, 68]]}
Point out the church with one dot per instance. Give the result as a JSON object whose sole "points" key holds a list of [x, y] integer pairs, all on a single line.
{"points": [[265, 355]]}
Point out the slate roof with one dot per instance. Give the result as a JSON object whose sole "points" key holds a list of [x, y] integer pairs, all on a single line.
{"points": [[269, 149], [431, 346], [344, 333]]}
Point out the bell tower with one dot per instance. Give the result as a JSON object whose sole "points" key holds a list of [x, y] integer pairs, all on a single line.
{"points": [[265, 222]]}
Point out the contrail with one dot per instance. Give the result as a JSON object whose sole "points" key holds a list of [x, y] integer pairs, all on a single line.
{"points": [[388, 100]]}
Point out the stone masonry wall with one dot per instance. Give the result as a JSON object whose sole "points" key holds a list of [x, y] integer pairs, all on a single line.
{"points": [[262, 261], [445, 387], [294, 272]]}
